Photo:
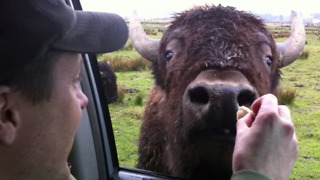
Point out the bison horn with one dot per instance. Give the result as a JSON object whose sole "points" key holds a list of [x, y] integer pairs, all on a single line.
{"points": [[146, 47], [291, 49]]}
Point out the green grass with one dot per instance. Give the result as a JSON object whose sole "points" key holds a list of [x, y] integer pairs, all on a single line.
{"points": [[126, 54], [303, 76], [126, 117], [126, 132]]}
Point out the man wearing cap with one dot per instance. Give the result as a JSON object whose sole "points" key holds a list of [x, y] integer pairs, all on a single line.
{"points": [[40, 97], [41, 100]]}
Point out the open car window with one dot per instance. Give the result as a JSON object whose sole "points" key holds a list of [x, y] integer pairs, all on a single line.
{"points": [[94, 153]]}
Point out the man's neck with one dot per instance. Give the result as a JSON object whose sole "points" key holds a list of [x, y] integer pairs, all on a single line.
{"points": [[17, 168]]}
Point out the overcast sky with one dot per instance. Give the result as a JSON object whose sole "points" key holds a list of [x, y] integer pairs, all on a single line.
{"points": [[165, 8]]}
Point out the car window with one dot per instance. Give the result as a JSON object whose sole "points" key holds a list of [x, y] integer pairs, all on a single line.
{"points": [[94, 154], [126, 86]]}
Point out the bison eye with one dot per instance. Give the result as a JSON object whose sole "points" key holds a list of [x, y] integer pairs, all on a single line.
{"points": [[168, 55], [268, 60]]}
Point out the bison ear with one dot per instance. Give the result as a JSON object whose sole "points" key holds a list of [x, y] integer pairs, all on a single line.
{"points": [[146, 47], [291, 49]]}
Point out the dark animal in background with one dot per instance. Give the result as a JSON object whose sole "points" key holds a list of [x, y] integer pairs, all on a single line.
{"points": [[210, 61], [109, 81]]}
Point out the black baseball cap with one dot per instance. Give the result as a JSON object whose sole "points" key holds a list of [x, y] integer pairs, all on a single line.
{"points": [[29, 28]]}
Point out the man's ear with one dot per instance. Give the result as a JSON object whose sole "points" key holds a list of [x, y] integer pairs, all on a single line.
{"points": [[8, 119]]}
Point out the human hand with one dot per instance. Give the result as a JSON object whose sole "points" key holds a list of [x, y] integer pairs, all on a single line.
{"points": [[266, 141]]}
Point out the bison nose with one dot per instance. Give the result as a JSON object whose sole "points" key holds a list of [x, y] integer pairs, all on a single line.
{"points": [[229, 94], [216, 104]]}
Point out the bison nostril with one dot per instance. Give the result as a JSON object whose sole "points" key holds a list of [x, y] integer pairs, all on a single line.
{"points": [[199, 95], [246, 97]]}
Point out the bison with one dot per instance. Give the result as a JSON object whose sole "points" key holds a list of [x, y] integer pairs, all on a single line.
{"points": [[109, 81], [210, 61]]}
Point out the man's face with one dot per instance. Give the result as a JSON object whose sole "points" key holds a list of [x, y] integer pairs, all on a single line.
{"points": [[48, 128]]}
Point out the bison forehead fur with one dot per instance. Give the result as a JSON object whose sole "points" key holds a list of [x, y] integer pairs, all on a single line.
{"points": [[210, 60], [218, 37]]}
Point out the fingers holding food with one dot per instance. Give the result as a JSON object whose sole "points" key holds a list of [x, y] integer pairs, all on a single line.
{"points": [[242, 111]]}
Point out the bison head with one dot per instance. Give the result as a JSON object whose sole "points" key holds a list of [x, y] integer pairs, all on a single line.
{"points": [[210, 61]]}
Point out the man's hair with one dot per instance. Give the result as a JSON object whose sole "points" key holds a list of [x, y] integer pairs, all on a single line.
{"points": [[35, 81]]}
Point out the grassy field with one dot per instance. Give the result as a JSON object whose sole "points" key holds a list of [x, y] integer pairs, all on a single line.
{"points": [[126, 117], [303, 76]]}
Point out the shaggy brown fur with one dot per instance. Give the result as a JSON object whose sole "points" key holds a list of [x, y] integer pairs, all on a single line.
{"points": [[109, 81]]}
